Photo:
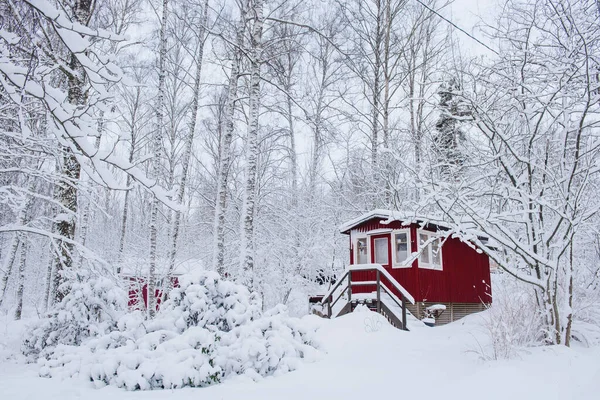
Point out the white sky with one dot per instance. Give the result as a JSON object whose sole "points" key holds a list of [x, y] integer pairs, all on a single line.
{"points": [[467, 14]]}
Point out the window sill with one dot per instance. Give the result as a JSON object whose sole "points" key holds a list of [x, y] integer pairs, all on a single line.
{"points": [[431, 267], [402, 266]]}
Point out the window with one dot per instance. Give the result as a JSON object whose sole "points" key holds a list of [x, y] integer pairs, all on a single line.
{"points": [[424, 258], [381, 250], [401, 246], [431, 255], [361, 251]]}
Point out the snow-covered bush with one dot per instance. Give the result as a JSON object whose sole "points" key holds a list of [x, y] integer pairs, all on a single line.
{"points": [[271, 345], [160, 359], [91, 308], [209, 329], [204, 299]]}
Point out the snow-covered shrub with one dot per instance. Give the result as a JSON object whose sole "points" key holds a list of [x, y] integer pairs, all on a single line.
{"points": [[160, 359], [513, 321], [271, 345], [204, 299], [209, 329], [91, 308]]}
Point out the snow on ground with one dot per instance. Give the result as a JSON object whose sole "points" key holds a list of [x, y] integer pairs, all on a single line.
{"points": [[366, 358]]}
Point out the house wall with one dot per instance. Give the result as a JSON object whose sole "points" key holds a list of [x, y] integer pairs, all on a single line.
{"points": [[138, 292], [465, 277]]}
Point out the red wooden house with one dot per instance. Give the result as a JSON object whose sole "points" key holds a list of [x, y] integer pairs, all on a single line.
{"points": [[434, 270]]}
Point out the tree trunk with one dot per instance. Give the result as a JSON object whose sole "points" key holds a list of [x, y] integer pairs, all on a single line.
{"points": [[124, 218], [10, 260], [225, 150], [132, 150], [386, 102], [48, 289], [85, 214], [21, 277], [255, 54], [189, 141], [14, 245], [157, 144], [375, 103], [66, 190]]}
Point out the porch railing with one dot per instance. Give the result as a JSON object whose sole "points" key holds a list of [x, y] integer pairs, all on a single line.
{"points": [[345, 283]]}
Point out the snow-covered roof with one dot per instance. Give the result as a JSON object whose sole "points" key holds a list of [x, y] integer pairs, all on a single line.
{"points": [[392, 215], [407, 217]]}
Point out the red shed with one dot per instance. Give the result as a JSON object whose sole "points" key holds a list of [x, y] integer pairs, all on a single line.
{"points": [[136, 277], [434, 269]]}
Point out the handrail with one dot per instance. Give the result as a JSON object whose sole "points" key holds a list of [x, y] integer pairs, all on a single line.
{"points": [[388, 313], [378, 267], [400, 302], [330, 292], [392, 295], [327, 299], [328, 296], [336, 300]]}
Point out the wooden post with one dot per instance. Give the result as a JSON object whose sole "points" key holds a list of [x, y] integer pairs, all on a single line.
{"points": [[349, 287], [378, 294], [403, 312], [329, 307]]}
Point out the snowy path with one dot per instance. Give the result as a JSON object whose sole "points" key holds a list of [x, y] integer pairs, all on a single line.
{"points": [[365, 364]]}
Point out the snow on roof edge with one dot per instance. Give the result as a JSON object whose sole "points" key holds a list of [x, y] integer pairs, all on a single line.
{"points": [[389, 216], [396, 215]]}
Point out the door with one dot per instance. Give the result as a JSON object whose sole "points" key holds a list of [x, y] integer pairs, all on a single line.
{"points": [[381, 251]]}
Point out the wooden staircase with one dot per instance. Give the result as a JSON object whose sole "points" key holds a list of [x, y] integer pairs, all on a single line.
{"points": [[382, 300]]}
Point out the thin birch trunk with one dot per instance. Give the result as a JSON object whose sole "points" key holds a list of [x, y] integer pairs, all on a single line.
{"points": [[85, 217], [294, 167], [386, 100], [375, 112], [124, 218], [247, 242], [21, 277], [157, 143], [189, 141], [48, 289], [132, 149], [316, 157], [85, 214], [225, 150], [10, 260], [317, 134], [14, 245]]}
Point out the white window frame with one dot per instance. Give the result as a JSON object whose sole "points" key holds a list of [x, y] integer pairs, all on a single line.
{"points": [[374, 256], [396, 264], [429, 249], [357, 237]]}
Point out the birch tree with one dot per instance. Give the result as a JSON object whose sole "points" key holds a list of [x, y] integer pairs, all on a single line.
{"points": [[226, 141], [21, 277], [200, 38], [251, 146], [156, 161]]}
